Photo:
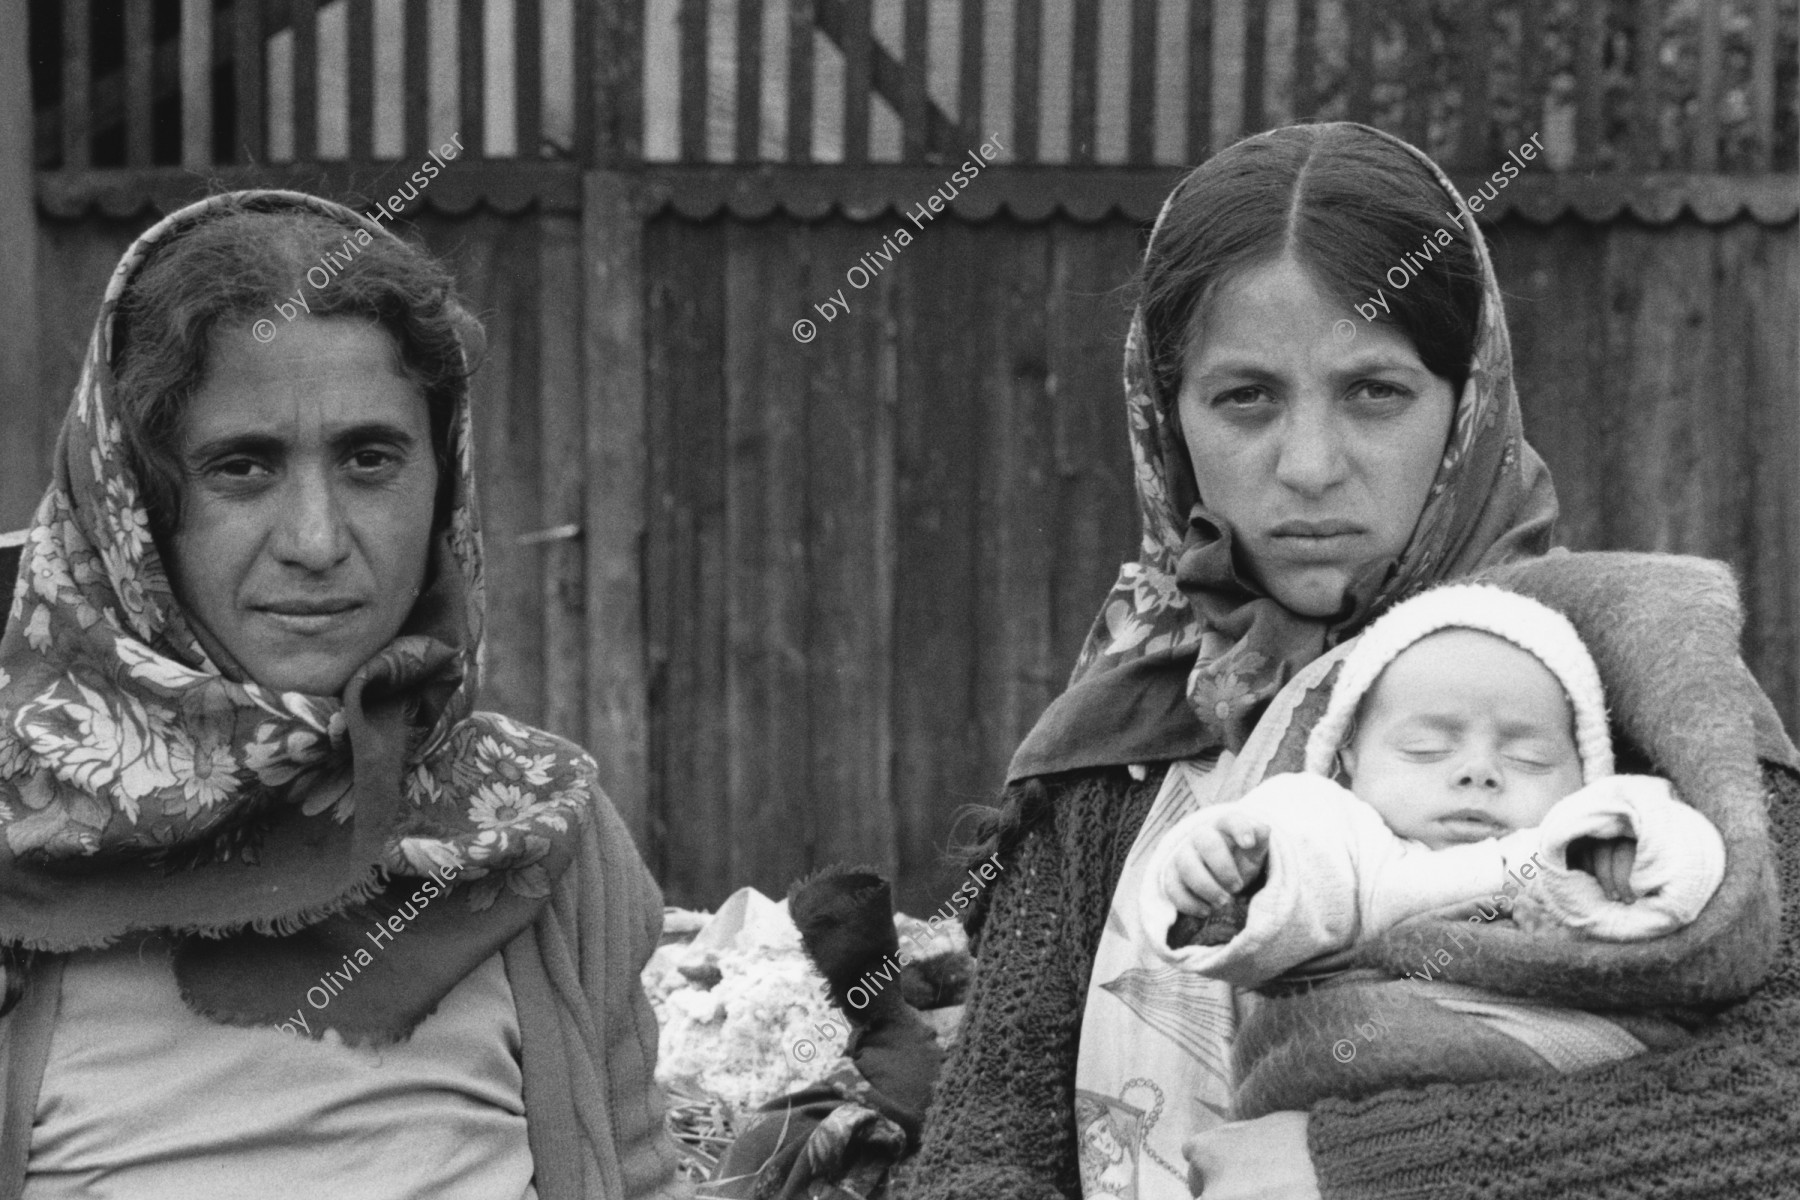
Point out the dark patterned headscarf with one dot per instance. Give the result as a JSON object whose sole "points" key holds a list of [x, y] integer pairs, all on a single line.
{"points": [[1187, 651], [145, 786]]}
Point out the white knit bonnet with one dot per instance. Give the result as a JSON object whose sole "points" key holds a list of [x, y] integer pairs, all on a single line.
{"points": [[1538, 630]]}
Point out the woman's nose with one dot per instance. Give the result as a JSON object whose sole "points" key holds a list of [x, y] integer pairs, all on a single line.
{"points": [[1311, 454], [310, 533]]}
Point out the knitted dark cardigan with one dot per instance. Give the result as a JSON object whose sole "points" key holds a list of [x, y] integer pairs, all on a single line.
{"points": [[1718, 1118]]}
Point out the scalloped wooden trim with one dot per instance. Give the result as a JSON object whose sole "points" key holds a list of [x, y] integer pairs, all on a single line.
{"points": [[810, 193]]}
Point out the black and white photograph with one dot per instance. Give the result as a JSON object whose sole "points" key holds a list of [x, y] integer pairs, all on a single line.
{"points": [[900, 599]]}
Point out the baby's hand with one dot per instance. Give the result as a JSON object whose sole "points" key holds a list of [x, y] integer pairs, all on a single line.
{"points": [[1220, 857], [1610, 861]]}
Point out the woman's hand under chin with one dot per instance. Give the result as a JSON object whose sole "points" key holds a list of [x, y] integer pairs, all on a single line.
{"points": [[1264, 1159]]}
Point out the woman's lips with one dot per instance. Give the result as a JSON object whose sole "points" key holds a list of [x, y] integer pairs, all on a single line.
{"points": [[1322, 541], [308, 617]]}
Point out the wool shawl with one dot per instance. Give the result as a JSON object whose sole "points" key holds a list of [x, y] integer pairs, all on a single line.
{"points": [[1188, 649], [391, 837]]}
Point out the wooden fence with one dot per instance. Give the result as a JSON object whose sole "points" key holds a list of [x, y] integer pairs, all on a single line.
{"points": [[802, 599]]}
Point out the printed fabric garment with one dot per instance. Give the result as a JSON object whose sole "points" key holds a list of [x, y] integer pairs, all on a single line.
{"points": [[145, 786], [1185, 651], [440, 1116], [1155, 1061]]}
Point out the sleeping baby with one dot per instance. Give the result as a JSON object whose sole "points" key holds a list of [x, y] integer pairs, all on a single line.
{"points": [[1468, 730]]}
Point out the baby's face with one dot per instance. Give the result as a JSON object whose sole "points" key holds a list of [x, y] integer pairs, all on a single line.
{"points": [[1464, 737]]}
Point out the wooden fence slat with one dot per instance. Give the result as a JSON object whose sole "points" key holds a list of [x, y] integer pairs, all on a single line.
{"points": [[800, 81], [1084, 83], [856, 44], [969, 73], [1358, 88], [1645, 136], [22, 323], [1590, 49], [937, 436], [77, 100], [691, 827], [528, 79], [1306, 57], [1705, 149], [613, 391], [1141, 135], [140, 45], [847, 461], [247, 81], [562, 426], [749, 81], [768, 567], [196, 84], [1028, 59], [1475, 43], [915, 136], [1534, 71], [418, 75], [1200, 76], [1256, 39], [471, 81], [306, 79], [359, 45], [695, 17], [1762, 86]]}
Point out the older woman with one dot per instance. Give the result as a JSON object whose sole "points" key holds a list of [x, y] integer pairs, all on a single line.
{"points": [[1312, 444], [284, 916]]}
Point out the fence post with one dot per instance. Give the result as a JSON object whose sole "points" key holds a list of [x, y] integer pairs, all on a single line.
{"points": [[21, 465]]}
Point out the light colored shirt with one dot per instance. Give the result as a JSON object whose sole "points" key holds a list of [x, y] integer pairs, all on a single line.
{"points": [[143, 1098]]}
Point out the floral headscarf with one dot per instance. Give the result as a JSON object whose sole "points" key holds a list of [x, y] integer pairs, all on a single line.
{"points": [[145, 786], [1186, 653]]}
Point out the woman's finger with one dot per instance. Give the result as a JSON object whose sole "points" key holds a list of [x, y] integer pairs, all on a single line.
{"points": [[1194, 872]]}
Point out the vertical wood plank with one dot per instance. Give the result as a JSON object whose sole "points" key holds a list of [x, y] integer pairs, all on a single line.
{"points": [[937, 764], [800, 81], [563, 482], [1590, 99], [1306, 57], [695, 17], [496, 268], [749, 81], [1028, 58], [1705, 152], [692, 822], [969, 72], [528, 78], [196, 84], [613, 387], [140, 48], [77, 80], [247, 81], [1415, 120], [22, 465], [1646, 150], [418, 74], [1361, 62], [847, 461], [1474, 37], [915, 134], [1084, 83], [306, 79], [1200, 75], [1094, 498], [1533, 69], [768, 565], [359, 38], [1256, 37], [1762, 86], [471, 77], [1014, 535], [858, 73], [1141, 148]]}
